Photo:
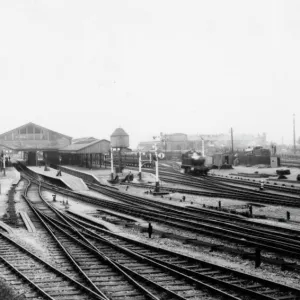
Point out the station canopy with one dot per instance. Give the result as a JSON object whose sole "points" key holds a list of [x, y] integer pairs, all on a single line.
{"points": [[32, 137], [88, 145]]}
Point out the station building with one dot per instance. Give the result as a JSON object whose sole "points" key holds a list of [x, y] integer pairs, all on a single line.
{"points": [[36, 143], [85, 152]]}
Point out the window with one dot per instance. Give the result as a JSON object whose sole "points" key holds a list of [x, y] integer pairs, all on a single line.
{"points": [[37, 130], [23, 130], [30, 129]]}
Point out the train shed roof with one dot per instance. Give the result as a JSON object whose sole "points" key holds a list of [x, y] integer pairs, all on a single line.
{"points": [[87, 146], [33, 137]]}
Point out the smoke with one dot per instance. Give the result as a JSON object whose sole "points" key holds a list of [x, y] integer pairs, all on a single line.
{"points": [[196, 156]]}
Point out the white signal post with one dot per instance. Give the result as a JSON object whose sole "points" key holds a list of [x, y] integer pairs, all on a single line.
{"points": [[156, 169], [111, 164], [140, 165], [202, 146], [156, 174]]}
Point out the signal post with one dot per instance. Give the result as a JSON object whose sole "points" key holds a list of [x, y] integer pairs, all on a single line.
{"points": [[111, 164], [140, 165]]}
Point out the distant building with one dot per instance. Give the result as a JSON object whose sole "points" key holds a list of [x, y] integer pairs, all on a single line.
{"points": [[167, 142], [175, 141], [212, 142], [240, 141]]}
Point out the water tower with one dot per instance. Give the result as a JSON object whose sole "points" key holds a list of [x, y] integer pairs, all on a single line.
{"points": [[118, 141]]}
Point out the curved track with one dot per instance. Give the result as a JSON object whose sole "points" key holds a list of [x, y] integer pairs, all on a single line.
{"points": [[154, 268], [214, 187]]}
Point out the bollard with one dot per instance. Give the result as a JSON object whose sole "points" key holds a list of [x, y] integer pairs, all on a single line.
{"points": [[220, 205], [257, 258], [288, 215]]}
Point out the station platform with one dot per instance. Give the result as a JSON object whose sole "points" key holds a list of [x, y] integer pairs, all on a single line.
{"points": [[74, 183], [102, 175], [12, 177]]}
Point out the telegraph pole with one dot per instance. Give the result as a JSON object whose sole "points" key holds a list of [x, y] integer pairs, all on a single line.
{"points": [[231, 139], [294, 132]]}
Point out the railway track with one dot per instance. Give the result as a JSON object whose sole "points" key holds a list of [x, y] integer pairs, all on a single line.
{"points": [[241, 234], [236, 179], [96, 263], [241, 287], [217, 188], [233, 282], [163, 282], [87, 258], [44, 281], [273, 242], [238, 285], [98, 272]]}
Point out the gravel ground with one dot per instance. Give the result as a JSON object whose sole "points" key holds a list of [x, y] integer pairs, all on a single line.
{"points": [[236, 263], [38, 243]]}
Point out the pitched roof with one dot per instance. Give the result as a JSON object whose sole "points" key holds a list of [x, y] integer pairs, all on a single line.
{"points": [[119, 132], [30, 123], [79, 146], [84, 140]]}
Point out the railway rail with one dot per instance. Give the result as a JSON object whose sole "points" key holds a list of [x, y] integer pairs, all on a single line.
{"points": [[241, 234], [87, 257], [274, 242], [238, 282], [134, 257], [217, 188], [44, 280]]}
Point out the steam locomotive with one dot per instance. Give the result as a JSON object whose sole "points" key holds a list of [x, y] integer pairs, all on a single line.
{"points": [[194, 162]]}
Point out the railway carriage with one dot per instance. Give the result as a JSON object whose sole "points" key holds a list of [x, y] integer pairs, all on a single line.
{"points": [[131, 159]]}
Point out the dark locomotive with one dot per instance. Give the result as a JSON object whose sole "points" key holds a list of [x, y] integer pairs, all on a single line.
{"points": [[194, 162]]}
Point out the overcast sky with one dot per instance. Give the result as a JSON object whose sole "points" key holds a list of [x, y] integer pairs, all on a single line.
{"points": [[84, 68]]}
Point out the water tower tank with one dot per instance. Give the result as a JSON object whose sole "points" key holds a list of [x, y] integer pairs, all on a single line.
{"points": [[119, 139]]}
